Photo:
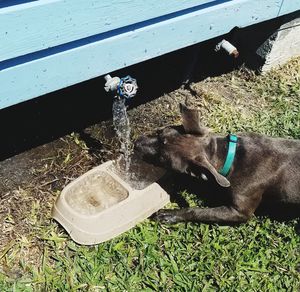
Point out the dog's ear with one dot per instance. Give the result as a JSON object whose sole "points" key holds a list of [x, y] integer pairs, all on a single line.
{"points": [[200, 167], [191, 121]]}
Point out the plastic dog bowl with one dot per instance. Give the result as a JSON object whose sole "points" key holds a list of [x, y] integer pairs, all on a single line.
{"points": [[99, 205]]}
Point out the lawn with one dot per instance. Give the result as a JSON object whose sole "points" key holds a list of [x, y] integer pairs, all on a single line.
{"points": [[260, 255]]}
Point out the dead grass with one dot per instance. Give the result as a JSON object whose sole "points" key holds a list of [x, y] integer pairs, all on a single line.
{"points": [[32, 246]]}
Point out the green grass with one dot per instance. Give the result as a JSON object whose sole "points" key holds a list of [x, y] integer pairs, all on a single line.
{"points": [[258, 256], [261, 255]]}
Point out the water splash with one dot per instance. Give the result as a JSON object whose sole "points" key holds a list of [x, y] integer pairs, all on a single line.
{"points": [[140, 174]]}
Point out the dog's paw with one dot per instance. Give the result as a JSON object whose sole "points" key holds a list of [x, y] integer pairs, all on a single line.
{"points": [[165, 216]]}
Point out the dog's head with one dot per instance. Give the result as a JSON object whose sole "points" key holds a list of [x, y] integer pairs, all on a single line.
{"points": [[186, 149]]}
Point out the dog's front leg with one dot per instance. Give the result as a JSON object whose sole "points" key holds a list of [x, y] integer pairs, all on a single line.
{"points": [[221, 214]]}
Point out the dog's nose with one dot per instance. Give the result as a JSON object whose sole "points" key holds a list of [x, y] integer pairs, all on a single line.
{"points": [[147, 145], [139, 143]]}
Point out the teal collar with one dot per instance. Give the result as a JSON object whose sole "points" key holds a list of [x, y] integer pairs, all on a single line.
{"points": [[231, 150]]}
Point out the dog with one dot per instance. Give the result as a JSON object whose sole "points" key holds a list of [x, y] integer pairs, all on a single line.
{"points": [[264, 169]]}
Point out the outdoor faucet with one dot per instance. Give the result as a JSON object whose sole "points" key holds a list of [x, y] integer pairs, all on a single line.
{"points": [[125, 87]]}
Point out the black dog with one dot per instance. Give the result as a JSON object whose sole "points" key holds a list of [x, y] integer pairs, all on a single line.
{"points": [[263, 169]]}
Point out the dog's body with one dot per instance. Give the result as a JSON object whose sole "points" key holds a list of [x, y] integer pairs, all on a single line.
{"points": [[264, 169]]}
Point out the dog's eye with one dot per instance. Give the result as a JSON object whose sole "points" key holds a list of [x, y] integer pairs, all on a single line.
{"points": [[203, 176], [189, 172]]}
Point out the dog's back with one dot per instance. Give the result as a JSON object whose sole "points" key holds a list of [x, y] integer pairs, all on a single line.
{"points": [[275, 164]]}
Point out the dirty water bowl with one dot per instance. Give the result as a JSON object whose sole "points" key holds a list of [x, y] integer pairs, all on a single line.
{"points": [[99, 205]]}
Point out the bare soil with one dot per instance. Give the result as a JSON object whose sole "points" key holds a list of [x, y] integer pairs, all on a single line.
{"points": [[31, 181]]}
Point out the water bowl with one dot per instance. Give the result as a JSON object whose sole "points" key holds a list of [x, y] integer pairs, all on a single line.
{"points": [[101, 204]]}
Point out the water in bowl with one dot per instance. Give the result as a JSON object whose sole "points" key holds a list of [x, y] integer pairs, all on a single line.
{"points": [[95, 193]]}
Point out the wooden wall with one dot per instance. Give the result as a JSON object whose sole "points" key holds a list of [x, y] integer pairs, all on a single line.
{"points": [[47, 45]]}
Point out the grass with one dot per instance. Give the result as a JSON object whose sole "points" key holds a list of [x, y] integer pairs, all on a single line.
{"points": [[261, 255]]}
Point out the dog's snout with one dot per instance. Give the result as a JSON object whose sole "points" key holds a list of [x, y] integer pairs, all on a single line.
{"points": [[147, 146], [138, 143], [141, 142]]}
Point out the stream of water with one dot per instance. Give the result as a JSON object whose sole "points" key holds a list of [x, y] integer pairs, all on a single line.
{"points": [[138, 174], [122, 128]]}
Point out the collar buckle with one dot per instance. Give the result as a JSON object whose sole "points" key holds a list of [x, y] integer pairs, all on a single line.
{"points": [[232, 138]]}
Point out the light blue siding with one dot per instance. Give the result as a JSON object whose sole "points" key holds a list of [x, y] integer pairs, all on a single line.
{"points": [[56, 54], [43, 24], [289, 6]]}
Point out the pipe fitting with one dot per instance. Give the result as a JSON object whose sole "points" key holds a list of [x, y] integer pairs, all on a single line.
{"points": [[112, 83], [228, 47]]}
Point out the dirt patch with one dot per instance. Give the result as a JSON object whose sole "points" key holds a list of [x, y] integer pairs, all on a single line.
{"points": [[30, 182], [33, 179]]}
